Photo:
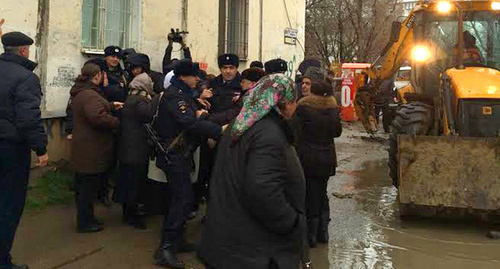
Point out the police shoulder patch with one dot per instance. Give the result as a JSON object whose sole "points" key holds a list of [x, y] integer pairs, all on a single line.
{"points": [[182, 106]]}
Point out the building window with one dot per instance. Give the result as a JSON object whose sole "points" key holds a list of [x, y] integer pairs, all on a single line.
{"points": [[233, 31], [110, 22]]}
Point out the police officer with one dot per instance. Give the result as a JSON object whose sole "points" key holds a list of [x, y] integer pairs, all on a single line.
{"points": [[21, 130], [115, 82], [179, 124]]}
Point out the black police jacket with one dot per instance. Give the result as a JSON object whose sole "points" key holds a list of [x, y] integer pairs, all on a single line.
{"points": [[222, 101], [177, 113], [20, 97], [116, 90]]}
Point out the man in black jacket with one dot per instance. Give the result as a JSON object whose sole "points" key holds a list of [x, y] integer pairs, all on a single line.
{"points": [[21, 130]]}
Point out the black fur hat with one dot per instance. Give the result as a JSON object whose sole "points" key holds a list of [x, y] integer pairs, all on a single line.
{"points": [[276, 66], [112, 51], [185, 67], [138, 60], [253, 74], [229, 59]]}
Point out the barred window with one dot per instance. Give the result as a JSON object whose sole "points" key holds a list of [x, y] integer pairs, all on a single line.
{"points": [[233, 31], [110, 22]]}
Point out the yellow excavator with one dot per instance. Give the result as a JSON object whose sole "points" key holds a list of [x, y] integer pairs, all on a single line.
{"points": [[445, 136]]}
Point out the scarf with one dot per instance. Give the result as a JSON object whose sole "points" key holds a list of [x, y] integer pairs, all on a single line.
{"points": [[269, 93], [142, 85]]}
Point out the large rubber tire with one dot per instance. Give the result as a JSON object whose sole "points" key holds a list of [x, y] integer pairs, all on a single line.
{"points": [[414, 118]]}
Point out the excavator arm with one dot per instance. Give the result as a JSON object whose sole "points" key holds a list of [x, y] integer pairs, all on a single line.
{"points": [[394, 55]]}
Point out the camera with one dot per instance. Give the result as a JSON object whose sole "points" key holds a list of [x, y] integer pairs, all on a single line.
{"points": [[176, 35]]}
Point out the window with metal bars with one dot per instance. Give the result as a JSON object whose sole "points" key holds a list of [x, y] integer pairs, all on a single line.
{"points": [[233, 30], [110, 22]]}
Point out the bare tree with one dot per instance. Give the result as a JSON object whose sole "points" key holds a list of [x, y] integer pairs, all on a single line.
{"points": [[349, 30]]}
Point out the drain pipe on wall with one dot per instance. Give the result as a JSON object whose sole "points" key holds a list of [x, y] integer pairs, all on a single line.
{"points": [[261, 27]]}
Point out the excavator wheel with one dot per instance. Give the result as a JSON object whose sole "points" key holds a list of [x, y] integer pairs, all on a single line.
{"points": [[414, 118]]}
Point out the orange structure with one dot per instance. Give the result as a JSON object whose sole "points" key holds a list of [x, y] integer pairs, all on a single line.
{"points": [[350, 83]]}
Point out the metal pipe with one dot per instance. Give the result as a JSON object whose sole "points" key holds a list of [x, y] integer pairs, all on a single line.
{"points": [[461, 46], [261, 28]]}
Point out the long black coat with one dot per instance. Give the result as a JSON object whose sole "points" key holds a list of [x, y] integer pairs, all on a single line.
{"points": [[317, 123], [256, 209], [20, 97], [137, 111]]}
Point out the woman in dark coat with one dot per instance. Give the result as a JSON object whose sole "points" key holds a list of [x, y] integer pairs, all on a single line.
{"points": [[134, 151], [92, 143], [317, 123], [255, 217]]}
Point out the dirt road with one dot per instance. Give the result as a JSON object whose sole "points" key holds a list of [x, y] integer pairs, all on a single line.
{"points": [[365, 232]]}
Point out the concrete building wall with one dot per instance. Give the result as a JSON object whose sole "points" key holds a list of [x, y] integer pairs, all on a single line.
{"points": [[56, 26]]}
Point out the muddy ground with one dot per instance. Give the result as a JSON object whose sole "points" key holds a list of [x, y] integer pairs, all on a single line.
{"points": [[365, 232]]}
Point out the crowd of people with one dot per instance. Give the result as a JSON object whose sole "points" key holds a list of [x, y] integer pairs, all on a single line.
{"points": [[266, 146]]}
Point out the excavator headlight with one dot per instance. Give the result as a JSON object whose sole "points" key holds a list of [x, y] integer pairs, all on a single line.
{"points": [[421, 54], [444, 6], [495, 5]]}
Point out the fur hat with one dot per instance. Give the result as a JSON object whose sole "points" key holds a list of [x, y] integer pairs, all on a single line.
{"points": [[308, 63], [112, 51], [229, 59], [253, 74], [185, 67], [257, 64], [315, 74], [276, 66], [138, 60]]}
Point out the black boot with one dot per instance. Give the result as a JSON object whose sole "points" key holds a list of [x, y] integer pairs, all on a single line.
{"points": [[312, 232], [140, 217], [324, 220], [166, 256]]}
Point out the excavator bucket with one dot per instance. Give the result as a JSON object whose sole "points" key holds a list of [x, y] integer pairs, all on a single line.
{"points": [[450, 172]]}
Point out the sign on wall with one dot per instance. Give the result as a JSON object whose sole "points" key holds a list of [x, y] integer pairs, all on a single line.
{"points": [[291, 36]]}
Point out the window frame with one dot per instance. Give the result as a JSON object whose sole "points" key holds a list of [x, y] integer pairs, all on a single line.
{"points": [[231, 25], [129, 30]]}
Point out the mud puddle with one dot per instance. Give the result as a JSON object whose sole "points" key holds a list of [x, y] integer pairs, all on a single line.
{"points": [[366, 230]]}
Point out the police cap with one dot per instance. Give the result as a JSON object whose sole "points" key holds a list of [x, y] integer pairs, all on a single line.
{"points": [[112, 51], [229, 59], [276, 66], [185, 67]]}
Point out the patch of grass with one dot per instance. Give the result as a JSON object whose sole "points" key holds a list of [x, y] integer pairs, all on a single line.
{"points": [[53, 188]]}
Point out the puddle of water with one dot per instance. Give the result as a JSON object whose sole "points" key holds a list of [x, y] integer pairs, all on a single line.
{"points": [[366, 230]]}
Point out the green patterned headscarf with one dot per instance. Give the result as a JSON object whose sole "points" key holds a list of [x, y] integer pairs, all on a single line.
{"points": [[270, 92]]}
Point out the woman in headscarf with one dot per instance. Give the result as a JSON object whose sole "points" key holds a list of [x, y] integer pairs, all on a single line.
{"points": [[256, 216], [134, 150]]}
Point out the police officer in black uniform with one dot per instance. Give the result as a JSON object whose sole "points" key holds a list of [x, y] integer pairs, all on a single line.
{"points": [[180, 123], [115, 86], [21, 130]]}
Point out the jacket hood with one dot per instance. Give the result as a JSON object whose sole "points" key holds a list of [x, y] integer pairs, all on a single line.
{"points": [[81, 86], [142, 83], [26, 63], [319, 102]]}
